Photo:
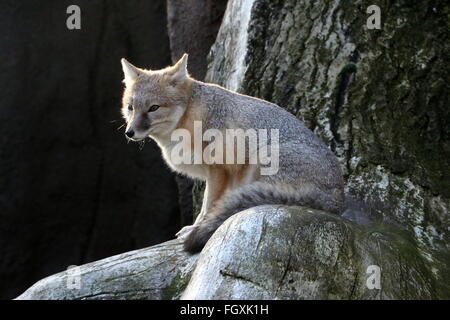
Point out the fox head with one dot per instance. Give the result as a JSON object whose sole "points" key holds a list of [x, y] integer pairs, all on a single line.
{"points": [[154, 101]]}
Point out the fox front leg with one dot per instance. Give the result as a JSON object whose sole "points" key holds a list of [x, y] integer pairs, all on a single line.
{"points": [[206, 203], [216, 186]]}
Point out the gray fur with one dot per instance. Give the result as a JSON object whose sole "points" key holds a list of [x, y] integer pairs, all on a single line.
{"points": [[251, 195], [309, 173]]}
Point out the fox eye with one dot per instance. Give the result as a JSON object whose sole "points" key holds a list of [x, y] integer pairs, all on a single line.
{"points": [[130, 107], [153, 108]]}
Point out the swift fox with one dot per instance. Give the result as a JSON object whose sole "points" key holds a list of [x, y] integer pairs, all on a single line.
{"points": [[160, 103]]}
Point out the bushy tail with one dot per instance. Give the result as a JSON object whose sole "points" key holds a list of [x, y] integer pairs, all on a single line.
{"points": [[255, 194]]}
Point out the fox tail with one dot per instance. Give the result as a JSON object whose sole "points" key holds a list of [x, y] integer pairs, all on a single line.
{"points": [[255, 194]]}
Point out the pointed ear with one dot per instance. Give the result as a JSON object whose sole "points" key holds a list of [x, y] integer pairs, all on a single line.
{"points": [[179, 71], [130, 72]]}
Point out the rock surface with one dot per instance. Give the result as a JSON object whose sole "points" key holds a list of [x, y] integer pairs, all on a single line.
{"points": [[265, 252], [159, 272]]}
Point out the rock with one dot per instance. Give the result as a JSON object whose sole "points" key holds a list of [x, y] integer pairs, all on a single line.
{"points": [[298, 253], [159, 272], [378, 98], [266, 252]]}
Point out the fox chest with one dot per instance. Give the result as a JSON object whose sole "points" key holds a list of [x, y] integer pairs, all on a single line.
{"points": [[181, 158]]}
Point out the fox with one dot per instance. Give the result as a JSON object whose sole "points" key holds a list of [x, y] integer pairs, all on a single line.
{"points": [[157, 103]]}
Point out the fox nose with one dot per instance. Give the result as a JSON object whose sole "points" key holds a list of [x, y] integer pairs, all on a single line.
{"points": [[129, 133]]}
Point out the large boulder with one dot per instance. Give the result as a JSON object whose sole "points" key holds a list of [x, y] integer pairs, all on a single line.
{"points": [[299, 253], [266, 252], [159, 272]]}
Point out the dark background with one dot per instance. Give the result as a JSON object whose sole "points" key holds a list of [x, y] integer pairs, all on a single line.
{"points": [[72, 190]]}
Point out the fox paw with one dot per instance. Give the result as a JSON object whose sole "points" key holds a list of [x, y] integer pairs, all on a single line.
{"points": [[184, 232]]}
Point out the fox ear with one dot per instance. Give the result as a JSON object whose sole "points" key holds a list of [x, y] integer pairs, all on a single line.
{"points": [[130, 72], [179, 71]]}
